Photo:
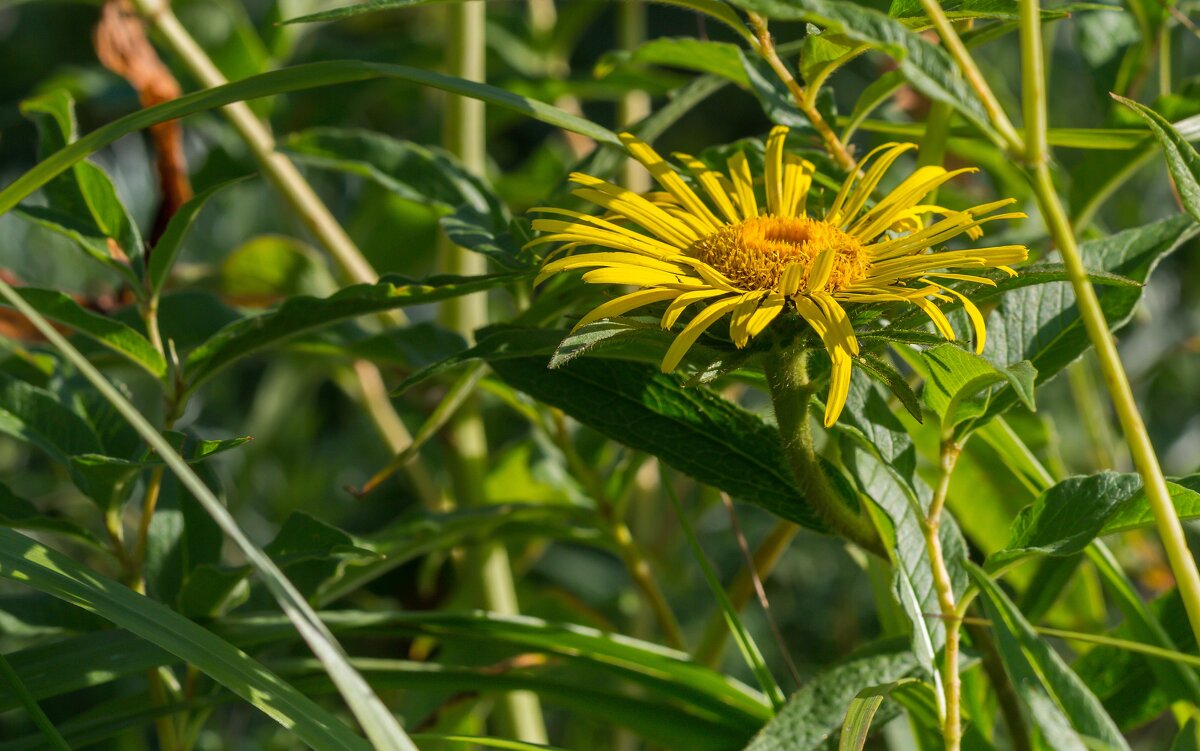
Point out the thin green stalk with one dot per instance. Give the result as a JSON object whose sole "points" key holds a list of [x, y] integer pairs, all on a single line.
{"points": [[766, 555], [952, 721], [1164, 59], [787, 375], [375, 718], [766, 48], [962, 57], [519, 712], [1183, 565], [54, 739]]}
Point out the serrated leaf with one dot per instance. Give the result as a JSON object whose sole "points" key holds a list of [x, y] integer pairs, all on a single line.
{"points": [[302, 314], [691, 429], [1077, 510], [814, 714], [1182, 160], [955, 378], [1042, 324], [110, 332], [926, 65], [1061, 705]]}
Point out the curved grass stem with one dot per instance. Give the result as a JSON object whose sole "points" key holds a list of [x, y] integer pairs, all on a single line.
{"points": [[1183, 564], [952, 721]]}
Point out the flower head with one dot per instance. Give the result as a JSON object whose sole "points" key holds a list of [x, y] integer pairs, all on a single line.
{"points": [[731, 255]]}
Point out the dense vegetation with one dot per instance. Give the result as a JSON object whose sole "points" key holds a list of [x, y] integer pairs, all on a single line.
{"points": [[393, 397]]}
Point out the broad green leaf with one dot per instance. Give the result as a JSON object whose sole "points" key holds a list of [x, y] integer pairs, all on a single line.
{"points": [[37, 417], [883, 371], [296, 78], [49, 733], [210, 591], [1064, 709], [814, 714], [107, 331], [163, 256], [479, 232], [302, 314], [346, 11], [865, 704], [267, 268], [954, 379], [25, 561], [422, 174], [18, 513], [1041, 323], [1068, 516], [701, 55], [691, 429], [926, 65], [776, 101], [313, 553], [1188, 738], [1182, 160], [997, 9], [83, 206], [822, 54]]}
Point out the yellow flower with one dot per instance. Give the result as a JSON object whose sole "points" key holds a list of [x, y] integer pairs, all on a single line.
{"points": [[731, 255]]}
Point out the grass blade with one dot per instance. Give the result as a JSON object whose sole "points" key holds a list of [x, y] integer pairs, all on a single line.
{"points": [[54, 739]]}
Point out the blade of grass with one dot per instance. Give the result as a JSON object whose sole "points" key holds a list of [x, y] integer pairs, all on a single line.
{"points": [[54, 739], [378, 722], [745, 642]]}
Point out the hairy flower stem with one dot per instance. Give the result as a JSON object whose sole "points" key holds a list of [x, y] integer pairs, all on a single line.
{"points": [[952, 721], [519, 712], [1033, 79], [791, 392], [766, 48]]}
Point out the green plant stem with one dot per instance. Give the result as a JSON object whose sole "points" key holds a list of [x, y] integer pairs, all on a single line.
{"points": [[766, 48], [519, 712], [53, 738], [787, 375], [715, 636], [1164, 59], [1183, 565], [952, 721], [378, 722], [962, 57]]}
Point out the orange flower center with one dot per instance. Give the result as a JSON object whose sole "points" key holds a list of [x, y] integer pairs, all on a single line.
{"points": [[754, 253]]}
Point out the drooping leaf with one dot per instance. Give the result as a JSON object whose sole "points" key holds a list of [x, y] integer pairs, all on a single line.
{"points": [[110, 332], [302, 314], [691, 429], [25, 561], [1182, 160], [296, 78], [1063, 708], [955, 378]]}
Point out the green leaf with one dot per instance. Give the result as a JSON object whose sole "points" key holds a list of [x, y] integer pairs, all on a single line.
{"points": [[37, 417], [1068, 714], [1188, 738], [996, 9], [1041, 324], [926, 65], [701, 55], [18, 513], [107, 331], [862, 711], [954, 378], [81, 231], [422, 174], [295, 78], [210, 591], [302, 314], [814, 714], [1182, 160], [313, 554], [162, 258], [691, 429], [1068, 516], [347, 11], [822, 54], [25, 561]]}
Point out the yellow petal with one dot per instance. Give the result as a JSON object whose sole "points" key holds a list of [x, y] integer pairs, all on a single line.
{"points": [[743, 183], [773, 170], [791, 279], [818, 274], [976, 317], [676, 308], [936, 315], [716, 185], [669, 179], [770, 308], [694, 329], [622, 305], [743, 313]]}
